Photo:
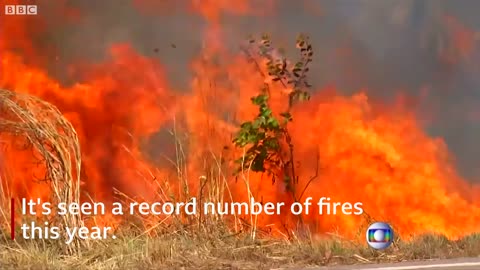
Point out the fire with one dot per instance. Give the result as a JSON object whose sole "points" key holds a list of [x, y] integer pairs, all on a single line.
{"points": [[368, 152]]}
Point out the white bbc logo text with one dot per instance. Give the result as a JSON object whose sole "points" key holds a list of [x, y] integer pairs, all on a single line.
{"points": [[20, 10]]}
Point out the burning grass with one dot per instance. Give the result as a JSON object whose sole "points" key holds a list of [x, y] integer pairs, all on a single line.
{"points": [[196, 242], [35, 126], [192, 249]]}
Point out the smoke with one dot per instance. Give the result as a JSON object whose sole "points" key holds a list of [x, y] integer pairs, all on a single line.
{"points": [[426, 49]]}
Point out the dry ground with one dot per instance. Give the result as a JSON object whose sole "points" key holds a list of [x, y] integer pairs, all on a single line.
{"points": [[189, 249]]}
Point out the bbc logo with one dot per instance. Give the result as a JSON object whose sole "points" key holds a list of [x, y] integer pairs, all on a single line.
{"points": [[20, 10]]}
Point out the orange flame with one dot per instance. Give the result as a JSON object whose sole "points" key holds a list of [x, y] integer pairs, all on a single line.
{"points": [[370, 153]]}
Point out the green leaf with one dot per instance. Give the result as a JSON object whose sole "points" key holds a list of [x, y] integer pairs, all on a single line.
{"points": [[265, 112], [260, 99], [272, 123], [246, 125]]}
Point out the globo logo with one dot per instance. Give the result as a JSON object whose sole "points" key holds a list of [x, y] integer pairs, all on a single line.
{"points": [[379, 235]]}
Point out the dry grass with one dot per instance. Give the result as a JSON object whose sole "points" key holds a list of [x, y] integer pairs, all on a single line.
{"points": [[192, 250], [205, 243], [39, 126]]}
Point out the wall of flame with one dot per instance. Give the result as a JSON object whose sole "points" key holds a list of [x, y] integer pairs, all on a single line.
{"points": [[373, 146]]}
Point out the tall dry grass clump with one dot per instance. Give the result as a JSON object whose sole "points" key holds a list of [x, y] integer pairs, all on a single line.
{"points": [[42, 128]]}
